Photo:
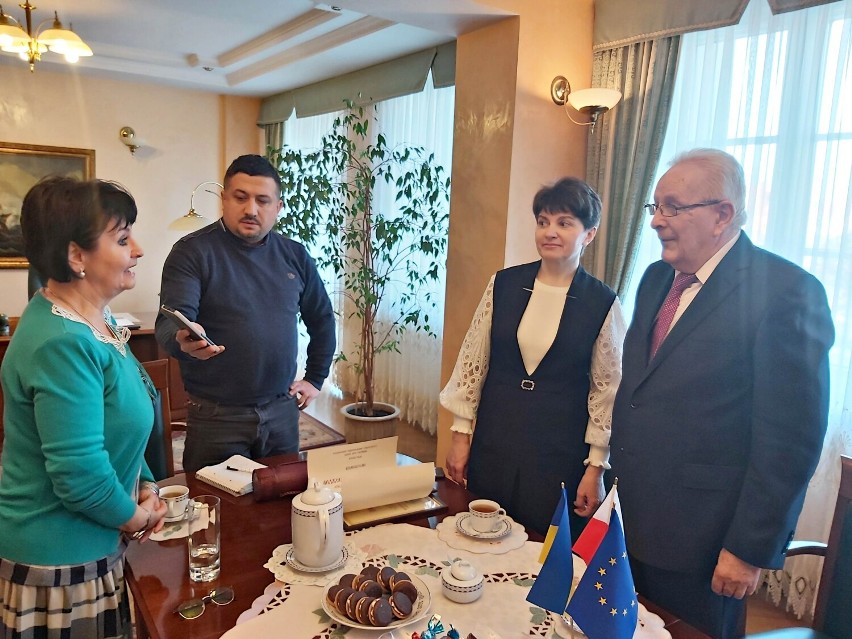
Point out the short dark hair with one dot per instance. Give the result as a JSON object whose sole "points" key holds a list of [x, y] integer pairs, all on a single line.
{"points": [[252, 165], [60, 210], [570, 195]]}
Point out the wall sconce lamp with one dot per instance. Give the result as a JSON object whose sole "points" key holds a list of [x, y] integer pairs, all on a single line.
{"points": [[192, 221], [593, 102], [128, 138]]}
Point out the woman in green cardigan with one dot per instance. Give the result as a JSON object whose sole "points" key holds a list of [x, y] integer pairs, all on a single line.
{"points": [[78, 412]]}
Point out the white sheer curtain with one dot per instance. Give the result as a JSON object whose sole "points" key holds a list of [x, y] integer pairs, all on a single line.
{"points": [[410, 379], [305, 134], [776, 92]]}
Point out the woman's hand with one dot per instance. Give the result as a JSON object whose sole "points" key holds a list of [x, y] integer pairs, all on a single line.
{"points": [[148, 517], [590, 492], [457, 458]]}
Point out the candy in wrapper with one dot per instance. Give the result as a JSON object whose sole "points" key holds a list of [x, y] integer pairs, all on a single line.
{"points": [[433, 627]]}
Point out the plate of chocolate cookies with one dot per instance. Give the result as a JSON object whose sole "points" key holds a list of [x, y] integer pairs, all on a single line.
{"points": [[377, 598]]}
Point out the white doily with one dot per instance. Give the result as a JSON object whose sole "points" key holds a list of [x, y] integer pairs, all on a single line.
{"points": [[448, 533], [172, 530], [648, 626], [277, 565]]}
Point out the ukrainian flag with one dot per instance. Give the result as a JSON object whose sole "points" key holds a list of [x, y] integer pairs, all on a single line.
{"points": [[552, 587]]}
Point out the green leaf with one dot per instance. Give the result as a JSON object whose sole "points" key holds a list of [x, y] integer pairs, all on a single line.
{"points": [[537, 615]]}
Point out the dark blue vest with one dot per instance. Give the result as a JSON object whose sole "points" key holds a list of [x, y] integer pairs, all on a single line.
{"points": [[530, 429]]}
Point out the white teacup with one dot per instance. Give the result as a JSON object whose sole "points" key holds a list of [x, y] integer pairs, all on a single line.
{"points": [[176, 499], [485, 515]]}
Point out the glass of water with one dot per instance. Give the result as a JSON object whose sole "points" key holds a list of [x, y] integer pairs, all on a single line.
{"points": [[204, 521]]}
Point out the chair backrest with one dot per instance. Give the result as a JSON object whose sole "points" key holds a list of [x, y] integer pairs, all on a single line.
{"points": [[159, 453], [833, 614]]}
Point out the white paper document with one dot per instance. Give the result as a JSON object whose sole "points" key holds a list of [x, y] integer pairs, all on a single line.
{"points": [[125, 319], [367, 476]]}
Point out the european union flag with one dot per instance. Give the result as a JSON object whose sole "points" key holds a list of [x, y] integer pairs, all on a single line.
{"points": [[552, 587], [604, 604]]}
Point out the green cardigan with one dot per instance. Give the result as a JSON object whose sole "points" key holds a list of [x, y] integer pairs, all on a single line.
{"points": [[77, 419]]}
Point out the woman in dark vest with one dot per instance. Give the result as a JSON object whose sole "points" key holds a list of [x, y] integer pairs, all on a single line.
{"points": [[538, 372]]}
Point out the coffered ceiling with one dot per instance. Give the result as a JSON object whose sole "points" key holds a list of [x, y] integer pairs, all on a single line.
{"points": [[247, 47]]}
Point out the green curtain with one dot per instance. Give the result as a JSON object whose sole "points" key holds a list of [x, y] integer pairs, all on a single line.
{"points": [[624, 149], [273, 135]]}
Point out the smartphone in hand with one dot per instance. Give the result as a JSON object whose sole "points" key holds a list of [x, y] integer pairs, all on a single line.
{"points": [[179, 320]]}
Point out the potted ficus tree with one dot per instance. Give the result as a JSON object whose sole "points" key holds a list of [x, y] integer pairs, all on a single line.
{"points": [[380, 255]]}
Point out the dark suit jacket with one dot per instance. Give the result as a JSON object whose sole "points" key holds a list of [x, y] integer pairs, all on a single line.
{"points": [[714, 441]]}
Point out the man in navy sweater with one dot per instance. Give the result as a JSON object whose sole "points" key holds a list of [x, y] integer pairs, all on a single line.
{"points": [[246, 288]]}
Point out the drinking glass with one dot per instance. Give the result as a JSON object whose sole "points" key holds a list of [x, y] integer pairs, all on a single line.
{"points": [[204, 521]]}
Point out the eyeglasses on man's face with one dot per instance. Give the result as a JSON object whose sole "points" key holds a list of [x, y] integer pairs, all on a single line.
{"points": [[194, 608], [670, 210]]}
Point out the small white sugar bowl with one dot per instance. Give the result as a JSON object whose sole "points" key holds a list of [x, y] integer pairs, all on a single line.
{"points": [[460, 582]]}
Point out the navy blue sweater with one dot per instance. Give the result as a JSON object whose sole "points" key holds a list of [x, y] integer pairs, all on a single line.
{"points": [[248, 299]]}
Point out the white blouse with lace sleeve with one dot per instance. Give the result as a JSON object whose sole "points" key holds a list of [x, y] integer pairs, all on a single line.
{"points": [[462, 392]]}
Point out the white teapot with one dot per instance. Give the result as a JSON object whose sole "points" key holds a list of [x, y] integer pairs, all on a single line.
{"points": [[317, 521]]}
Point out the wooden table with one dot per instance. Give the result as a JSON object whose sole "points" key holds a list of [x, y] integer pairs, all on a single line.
{"points": [[158, 579]]}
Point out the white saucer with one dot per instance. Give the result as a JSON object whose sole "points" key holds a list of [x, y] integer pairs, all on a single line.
{"points": [[296, 565], [171, 520], [463, 525]]}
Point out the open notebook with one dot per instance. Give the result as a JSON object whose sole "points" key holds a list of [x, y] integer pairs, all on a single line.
{"points": [[233, 475]]}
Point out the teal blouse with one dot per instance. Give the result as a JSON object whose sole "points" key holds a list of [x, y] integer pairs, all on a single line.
{"points": [[77, 418]]}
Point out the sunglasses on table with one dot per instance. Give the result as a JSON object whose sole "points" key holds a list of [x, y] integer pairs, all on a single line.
{"points": [[194, 608]]}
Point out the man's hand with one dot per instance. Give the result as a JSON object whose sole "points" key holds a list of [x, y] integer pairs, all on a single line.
{"points": [[457, 458], [733, 577], [304, 392], [199, 349]]}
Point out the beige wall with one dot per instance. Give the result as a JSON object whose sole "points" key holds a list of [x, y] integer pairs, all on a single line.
{"points": [[190, 137], [510, 139]]}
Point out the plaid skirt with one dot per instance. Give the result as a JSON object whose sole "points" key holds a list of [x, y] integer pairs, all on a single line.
{"points": [[64, 602]]}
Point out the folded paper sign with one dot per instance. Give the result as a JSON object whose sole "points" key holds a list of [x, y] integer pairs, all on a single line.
{"points": [[366, 474]]}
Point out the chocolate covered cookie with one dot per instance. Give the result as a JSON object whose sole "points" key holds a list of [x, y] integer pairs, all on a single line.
{"points": [[332, 592], [385, 575], [362, 610], [400, 605], [341, 597], [346, 580], [406, 588], [370, 572], [396, 578], [352, 603], [380, 613], [371, 588]]}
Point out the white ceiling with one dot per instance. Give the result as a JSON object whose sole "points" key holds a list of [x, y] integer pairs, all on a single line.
{"points": [[247, 47]]}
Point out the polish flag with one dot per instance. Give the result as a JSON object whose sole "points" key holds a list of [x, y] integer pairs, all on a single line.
{"points": [[589, 540]]}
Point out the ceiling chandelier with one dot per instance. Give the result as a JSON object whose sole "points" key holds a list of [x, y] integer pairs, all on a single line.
{"points": [[30, 44]]}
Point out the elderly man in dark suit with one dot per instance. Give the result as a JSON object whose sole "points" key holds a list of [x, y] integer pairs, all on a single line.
{"points": [[722, 409]]}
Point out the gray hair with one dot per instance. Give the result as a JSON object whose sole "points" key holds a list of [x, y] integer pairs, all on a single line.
{"points": [[724, 174]]}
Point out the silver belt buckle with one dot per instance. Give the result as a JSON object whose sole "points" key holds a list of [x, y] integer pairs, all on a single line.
{"points": [[527, 384]]}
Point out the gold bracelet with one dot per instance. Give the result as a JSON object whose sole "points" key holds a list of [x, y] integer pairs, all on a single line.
{"points": [[140, 533]]}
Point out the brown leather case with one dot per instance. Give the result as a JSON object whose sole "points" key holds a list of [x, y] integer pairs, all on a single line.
{"points": [[279, 481]]}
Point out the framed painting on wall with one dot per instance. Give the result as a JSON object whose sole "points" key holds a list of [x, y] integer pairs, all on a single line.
{"points": [[21, 166]]}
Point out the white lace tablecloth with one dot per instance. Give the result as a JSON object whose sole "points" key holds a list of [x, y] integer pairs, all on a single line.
{"points": [[502, 611]]}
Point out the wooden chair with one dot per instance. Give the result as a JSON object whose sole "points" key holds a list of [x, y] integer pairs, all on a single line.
{"points": [[159, 454], [833, 614]]}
